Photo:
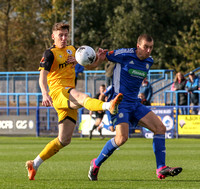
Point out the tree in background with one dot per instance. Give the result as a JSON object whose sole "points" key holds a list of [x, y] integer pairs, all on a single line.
{"points": [[161, 19], [5, 9], [25, 29], [187, 48]]}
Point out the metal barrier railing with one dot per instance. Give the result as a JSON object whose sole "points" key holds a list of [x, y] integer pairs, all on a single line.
{"points": [[177, 106]]}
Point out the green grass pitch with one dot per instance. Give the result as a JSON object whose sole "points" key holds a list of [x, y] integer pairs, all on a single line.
{"points": [[132, 166]]}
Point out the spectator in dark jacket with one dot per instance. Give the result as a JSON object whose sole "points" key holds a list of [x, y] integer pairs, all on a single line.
{"points": [[147, 90], [78, 69], [109, 72], [143, 100], [179, 84], [192, 85]]}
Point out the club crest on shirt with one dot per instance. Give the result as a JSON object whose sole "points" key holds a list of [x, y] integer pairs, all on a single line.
{"points": [[69, 51], [121, 115], [147, 66]]}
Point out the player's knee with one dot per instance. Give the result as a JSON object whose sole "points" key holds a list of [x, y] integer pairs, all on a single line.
{"points": [[82, 96], [120, 140], [79, 96], [65, 141], [161, 129]]}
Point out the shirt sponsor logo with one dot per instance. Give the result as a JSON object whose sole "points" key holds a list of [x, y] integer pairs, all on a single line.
{"points": [[138, 73], [64, 65], [120, 51]]}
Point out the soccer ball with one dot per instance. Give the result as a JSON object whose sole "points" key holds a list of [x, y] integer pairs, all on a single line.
{"points": [[85, 55]]}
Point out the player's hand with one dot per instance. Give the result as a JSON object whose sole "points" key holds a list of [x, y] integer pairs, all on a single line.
{"points": [[47, 101], [72, 60], [101, 54]]}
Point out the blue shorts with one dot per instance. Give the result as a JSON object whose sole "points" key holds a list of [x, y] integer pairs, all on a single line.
{"points": [[131, 115]]}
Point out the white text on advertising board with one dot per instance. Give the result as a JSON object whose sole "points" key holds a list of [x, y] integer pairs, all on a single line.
{"points": [[6, 124]]}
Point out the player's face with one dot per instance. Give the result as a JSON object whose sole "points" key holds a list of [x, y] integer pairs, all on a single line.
{"points": [[144, 49], [101, 89], [60, 38]]}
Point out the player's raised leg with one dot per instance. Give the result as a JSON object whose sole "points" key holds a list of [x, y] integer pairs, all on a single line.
{"points": [[78, 99]]}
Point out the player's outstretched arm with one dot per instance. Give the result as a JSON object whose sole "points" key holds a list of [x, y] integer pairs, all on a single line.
{"points": [[100, 57]]}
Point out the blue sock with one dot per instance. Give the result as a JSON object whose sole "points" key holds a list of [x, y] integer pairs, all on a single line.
{"points": [[107, 150], [159, 150], [106, 126]]}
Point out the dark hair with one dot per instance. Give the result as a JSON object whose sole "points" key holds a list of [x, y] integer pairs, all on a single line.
{"points": [[191, 73], [144, 37], [103, 85], [60, 26], [176, 77]]}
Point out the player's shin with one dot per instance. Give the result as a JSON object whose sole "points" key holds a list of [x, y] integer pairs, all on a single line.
{"points": [[107, 150], [159, 149], [50, 149]]}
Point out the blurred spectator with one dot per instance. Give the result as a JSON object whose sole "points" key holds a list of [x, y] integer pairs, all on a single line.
{"points": [[147, 90], [192, 85], [143, 99], [78, 69], [109, 66], [179, 84], [99, 114]]}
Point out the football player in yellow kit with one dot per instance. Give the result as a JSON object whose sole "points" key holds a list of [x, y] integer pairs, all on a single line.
{"points": [[57, 70]]}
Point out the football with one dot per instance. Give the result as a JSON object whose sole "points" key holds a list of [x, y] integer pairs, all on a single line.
{"points": [[85, 55]]}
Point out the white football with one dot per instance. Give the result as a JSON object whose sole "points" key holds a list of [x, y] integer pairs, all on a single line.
{"points": [[85, 55]]}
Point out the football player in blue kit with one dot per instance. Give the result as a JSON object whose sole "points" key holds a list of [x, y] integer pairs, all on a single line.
{"points": [[132, 66]]}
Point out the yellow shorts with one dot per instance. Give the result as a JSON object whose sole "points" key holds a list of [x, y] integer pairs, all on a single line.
{"points": [[61, 105]]}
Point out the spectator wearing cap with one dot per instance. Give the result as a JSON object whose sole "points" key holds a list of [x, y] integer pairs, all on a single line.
{"points": [[192, 85]]}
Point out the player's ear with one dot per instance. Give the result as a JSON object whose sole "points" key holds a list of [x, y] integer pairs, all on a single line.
{"points": [[52, 36]]}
